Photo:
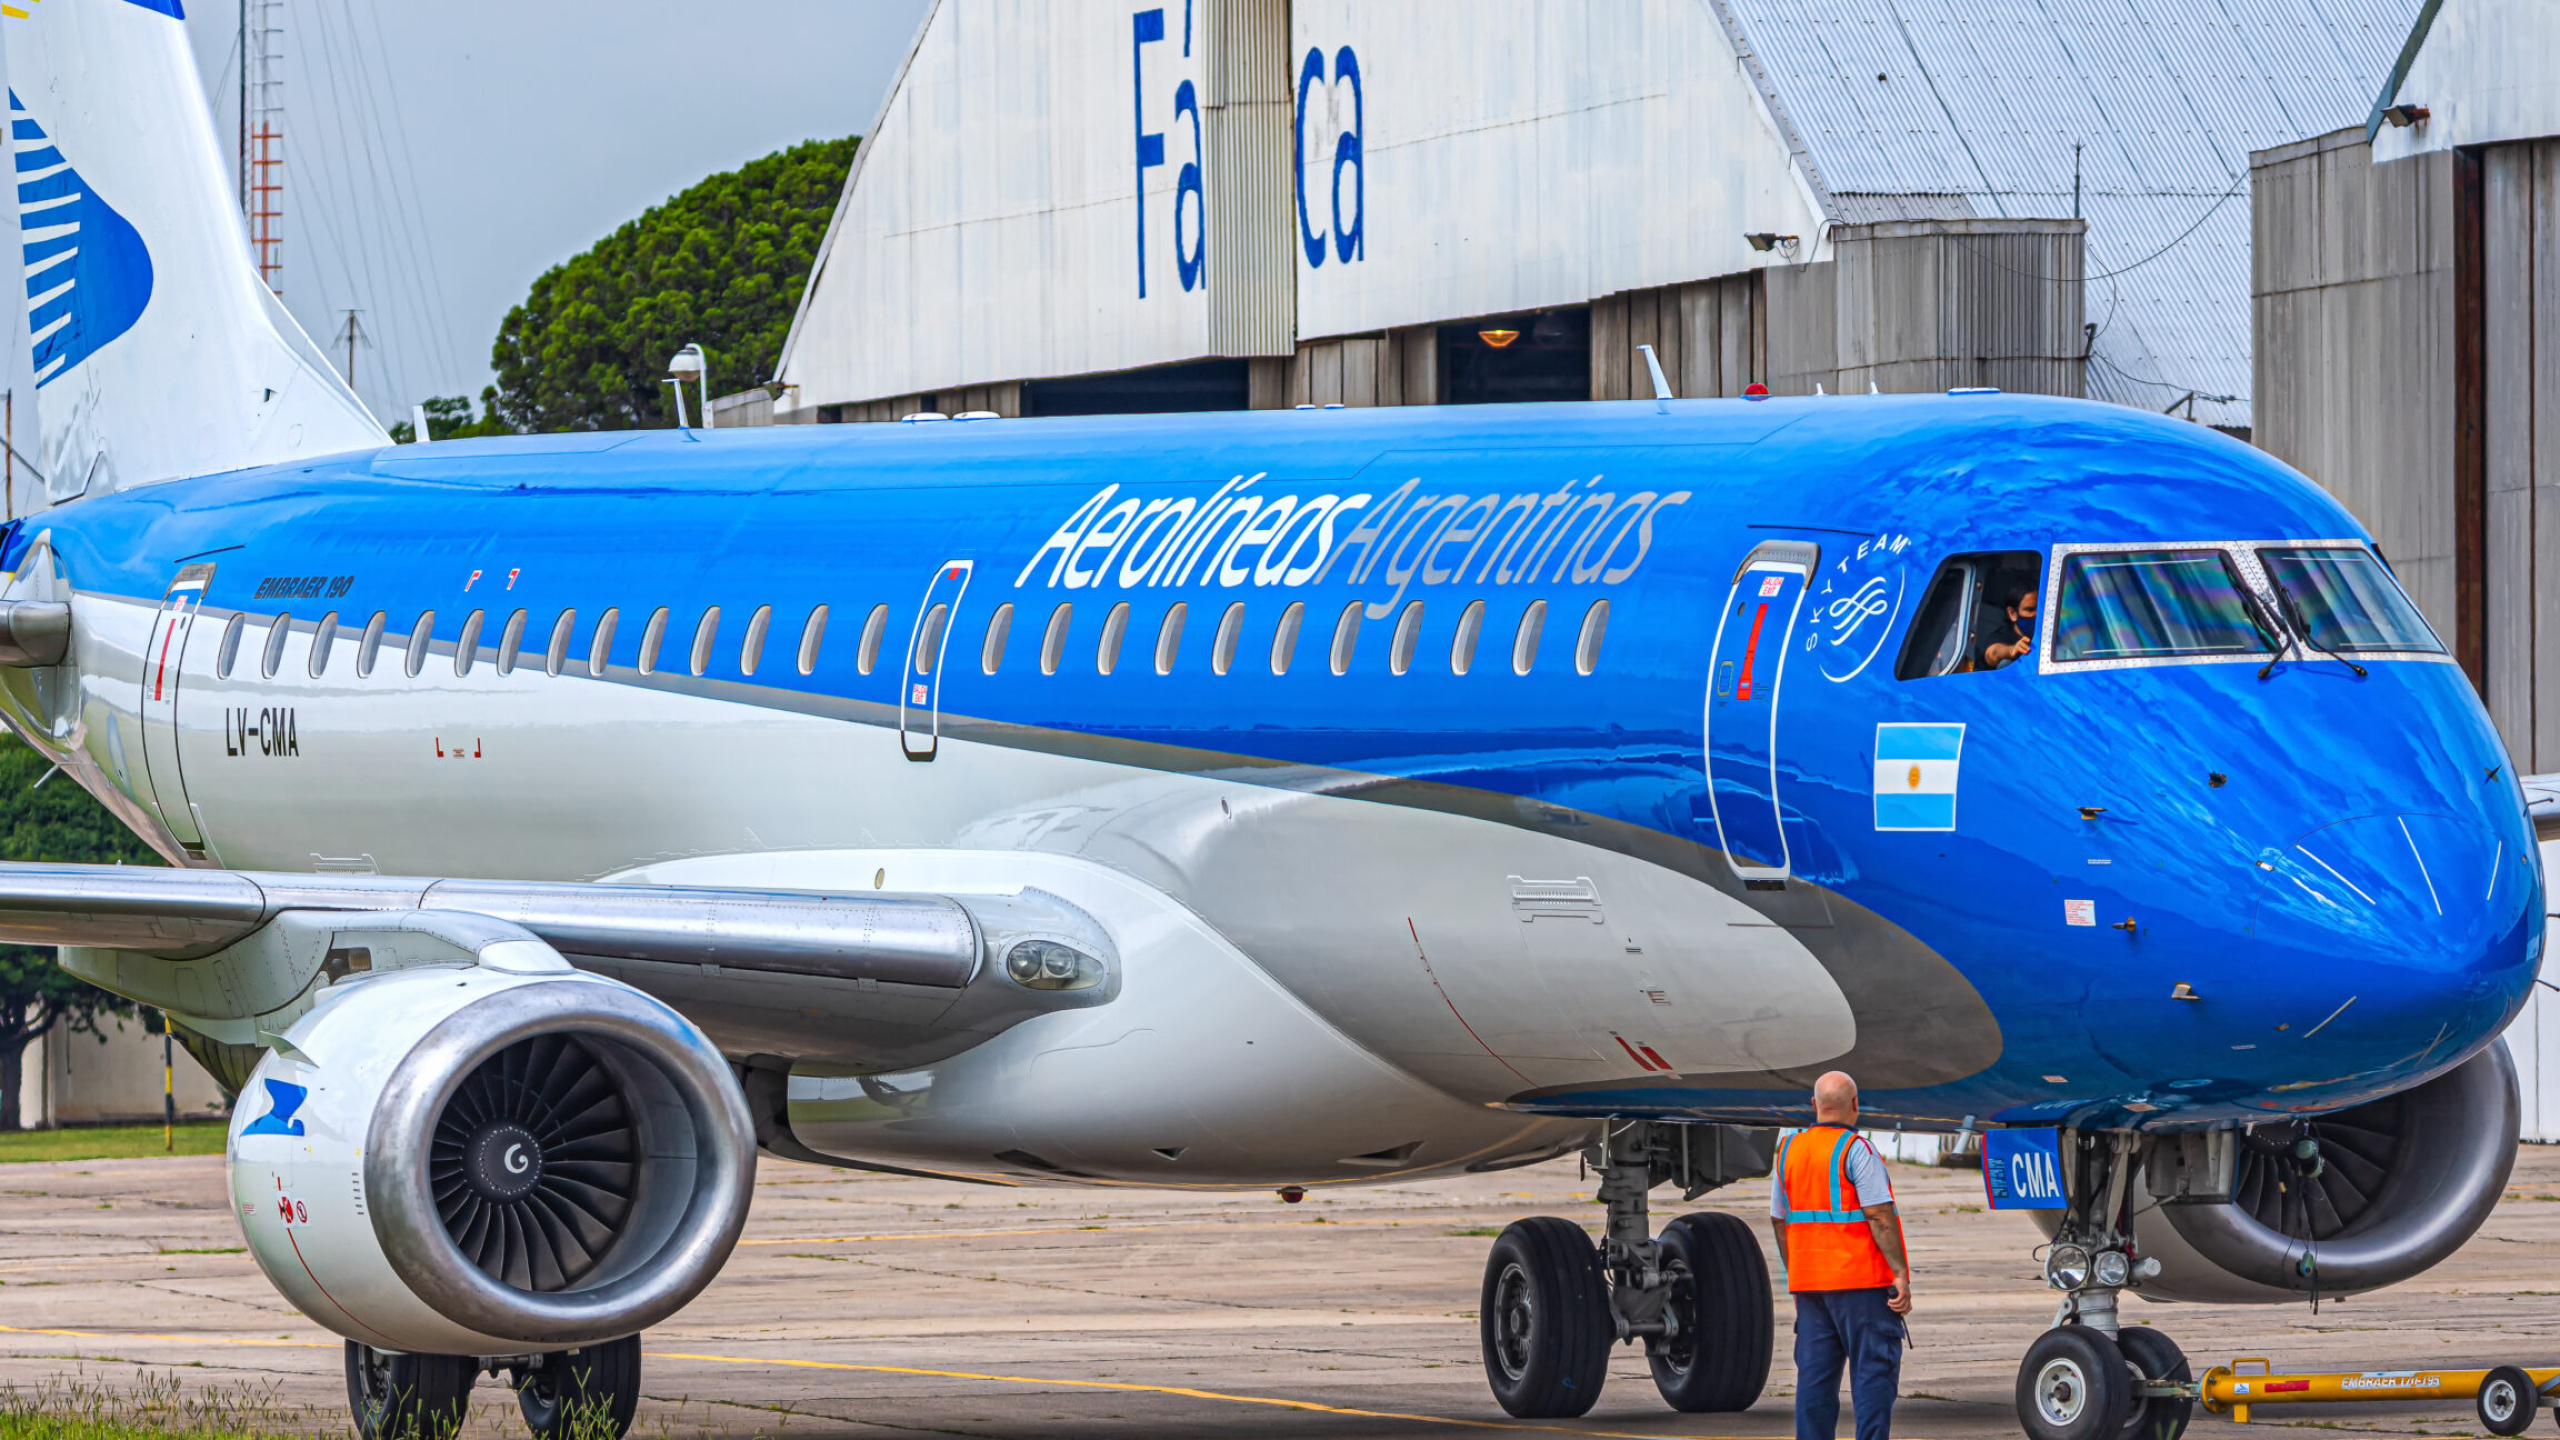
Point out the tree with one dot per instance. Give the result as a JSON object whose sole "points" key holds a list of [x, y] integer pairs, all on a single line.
{"points": [[56, 821], [722, 263], [449, 418]]}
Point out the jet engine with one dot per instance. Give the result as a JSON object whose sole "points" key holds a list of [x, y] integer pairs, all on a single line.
{"points": [[492, 1158], [2332, 1204]]}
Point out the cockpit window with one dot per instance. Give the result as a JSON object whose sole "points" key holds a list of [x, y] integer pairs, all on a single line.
{"points": [[2347, 599], [2140, 604], [1978, 614]]}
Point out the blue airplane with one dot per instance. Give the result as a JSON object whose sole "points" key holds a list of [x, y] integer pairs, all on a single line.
{"points": [[1273, 800]]}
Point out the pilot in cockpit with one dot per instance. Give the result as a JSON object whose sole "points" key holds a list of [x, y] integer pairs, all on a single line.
{"points": [[2011, 634]]}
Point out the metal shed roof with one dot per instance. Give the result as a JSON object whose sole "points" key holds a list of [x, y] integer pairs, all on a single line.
{"points": [[1927, 108]]}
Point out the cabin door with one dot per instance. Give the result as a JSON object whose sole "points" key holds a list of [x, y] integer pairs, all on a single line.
{"points": [[920, 687], [1747, 672], [162, 665]]}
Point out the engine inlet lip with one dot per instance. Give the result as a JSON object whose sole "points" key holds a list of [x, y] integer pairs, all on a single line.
{"points": [[633, 1291]]}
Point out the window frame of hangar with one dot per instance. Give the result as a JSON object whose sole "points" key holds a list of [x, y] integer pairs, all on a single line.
{"points": [[1908, 665], [2243, 555]]}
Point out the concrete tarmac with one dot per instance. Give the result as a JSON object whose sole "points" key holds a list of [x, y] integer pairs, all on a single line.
{"points": [[865, 1305]]}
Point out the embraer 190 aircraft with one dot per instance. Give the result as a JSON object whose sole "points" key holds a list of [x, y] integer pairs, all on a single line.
{"points": [[1263, 800]]}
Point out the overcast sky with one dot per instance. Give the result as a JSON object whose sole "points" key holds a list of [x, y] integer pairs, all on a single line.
{"points": [[439, 157]]}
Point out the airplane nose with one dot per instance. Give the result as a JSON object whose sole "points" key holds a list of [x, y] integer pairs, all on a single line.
{"points": [[2410, 924]]}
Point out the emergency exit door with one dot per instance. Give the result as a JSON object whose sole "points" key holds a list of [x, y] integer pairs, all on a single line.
{"points": [[163, 663], [920, 685], [1747, 672]]}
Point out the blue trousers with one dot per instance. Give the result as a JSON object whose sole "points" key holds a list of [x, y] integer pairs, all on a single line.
{"points": [[1855, 1329]]}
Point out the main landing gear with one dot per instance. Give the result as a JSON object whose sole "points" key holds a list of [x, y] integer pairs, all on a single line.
{"points": [[2089, 1378], [1698, 1296], [585, 1394]]}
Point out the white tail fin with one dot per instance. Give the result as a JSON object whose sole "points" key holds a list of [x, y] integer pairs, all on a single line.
{"points": [[159, 352]]}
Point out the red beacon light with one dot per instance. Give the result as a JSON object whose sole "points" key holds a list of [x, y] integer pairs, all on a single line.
{"points": [[1755, 391]]}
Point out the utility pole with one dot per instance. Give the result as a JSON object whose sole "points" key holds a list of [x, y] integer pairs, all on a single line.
{"points": [[350, 334]]}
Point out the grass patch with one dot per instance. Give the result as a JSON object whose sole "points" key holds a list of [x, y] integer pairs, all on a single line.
{"points": [[108, 1142]]}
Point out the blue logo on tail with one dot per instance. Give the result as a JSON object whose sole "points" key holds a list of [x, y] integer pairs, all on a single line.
{"points": [[88, 273], [285, 1099]]}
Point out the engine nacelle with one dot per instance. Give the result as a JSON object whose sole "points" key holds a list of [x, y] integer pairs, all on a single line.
{"points": [[490, 1158], [2401, 1183]]}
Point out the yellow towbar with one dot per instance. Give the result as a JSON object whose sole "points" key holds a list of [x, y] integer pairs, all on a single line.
{"points": [[2506, 1397]]}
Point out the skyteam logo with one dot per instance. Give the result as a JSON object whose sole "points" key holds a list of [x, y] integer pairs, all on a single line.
{"points": [[88, 273]]}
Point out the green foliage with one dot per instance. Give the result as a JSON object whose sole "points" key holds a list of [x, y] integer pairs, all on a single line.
{"points": [[723, 264], [115, 1142], [449, 418], [55, 821]]}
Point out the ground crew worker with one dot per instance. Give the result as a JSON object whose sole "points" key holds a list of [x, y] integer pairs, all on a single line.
{"points": [[1841, 1244]]}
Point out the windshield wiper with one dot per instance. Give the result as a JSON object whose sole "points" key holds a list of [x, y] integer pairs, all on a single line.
{"points": [[2301, 627], [2268, 630]]}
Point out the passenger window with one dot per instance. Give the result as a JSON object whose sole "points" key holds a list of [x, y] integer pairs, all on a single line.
{"points": [[1595, 626], [1408, 635], [1975, 602], [928, 656], [1524, 642], [999, 630], [751, 653], [1115, 627], [229, 654], [1169, 637], [706, 633], [867, 655], [1462, 648], [1222, 655], [466, 651], [324, 638], [600, 649], [810, 636], [510, 643], [1053, 645], [556, 657], [421, 635], [652, 635], [274, 657], [1284, 640], [1346, 635], [367, 650]]}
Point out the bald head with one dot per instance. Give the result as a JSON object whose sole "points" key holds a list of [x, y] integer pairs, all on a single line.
{"points": [[1835, 1099]]}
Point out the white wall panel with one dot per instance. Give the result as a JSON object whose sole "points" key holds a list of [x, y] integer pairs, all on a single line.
{"points": [[991, 230], [2489, 71], [1518, 153]]}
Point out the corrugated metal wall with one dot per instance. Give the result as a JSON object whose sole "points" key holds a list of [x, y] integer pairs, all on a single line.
{"points": [[1253, 289], [2520, 452], [1936, 304], [2356, 365]]}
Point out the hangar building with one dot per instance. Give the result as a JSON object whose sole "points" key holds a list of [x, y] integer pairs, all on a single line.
{"points": [[1068, 206]]}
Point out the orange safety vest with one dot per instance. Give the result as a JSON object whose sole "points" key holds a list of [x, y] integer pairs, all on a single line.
{"points": [[1829, 1246]]}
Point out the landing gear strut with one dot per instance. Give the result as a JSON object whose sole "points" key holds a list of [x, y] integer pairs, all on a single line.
{"points": [[1698, 1297], [2089, 1377], [589, 1393]]}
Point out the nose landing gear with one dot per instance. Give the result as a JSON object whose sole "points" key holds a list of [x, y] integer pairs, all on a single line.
{"points": [[1698, 1297], [2090, 1378]]}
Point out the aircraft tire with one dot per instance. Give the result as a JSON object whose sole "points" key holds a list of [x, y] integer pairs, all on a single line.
{"points": [[2508, 1401], [2154, 1356], [1719, 1362], [589, 1393], [1545, 1321], [2073, 1385], [397, 1396]]}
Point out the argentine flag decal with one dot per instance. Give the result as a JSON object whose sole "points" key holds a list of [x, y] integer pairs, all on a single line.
{"points": [[88, 275], [1916, 776]]}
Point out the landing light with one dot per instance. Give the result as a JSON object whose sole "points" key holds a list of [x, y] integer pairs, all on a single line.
{"points": [[1048, 965], [2066, 1267], [2111, 1268]]}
